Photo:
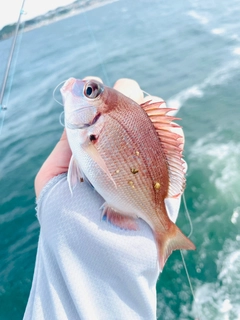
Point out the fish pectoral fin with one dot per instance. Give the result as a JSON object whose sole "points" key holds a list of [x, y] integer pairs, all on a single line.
{"points": [[74, 174], [92, 151], [172, 240], [118, 219]]}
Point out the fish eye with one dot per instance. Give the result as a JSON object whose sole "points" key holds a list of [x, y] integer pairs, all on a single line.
{"points": [[92, 89]]}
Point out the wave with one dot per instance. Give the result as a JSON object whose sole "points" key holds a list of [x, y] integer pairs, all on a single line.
{"points": [[223, 161], [220, 300], [200, 18], [218, 31], [225, 33], [178, 100], [236, 51], [217, 77], [235, 216]]}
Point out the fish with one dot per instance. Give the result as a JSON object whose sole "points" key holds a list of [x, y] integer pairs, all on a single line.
{"points": [[130, 154]]}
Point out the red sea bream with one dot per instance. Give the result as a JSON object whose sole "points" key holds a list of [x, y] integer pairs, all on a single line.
{"points": [[129, 154]]}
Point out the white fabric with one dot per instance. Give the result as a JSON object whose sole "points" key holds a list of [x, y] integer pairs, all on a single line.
{"points": [[87, 268]]}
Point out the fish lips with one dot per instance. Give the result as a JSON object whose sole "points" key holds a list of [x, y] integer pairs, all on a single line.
{"points": [[72, 92], [75, 86]]}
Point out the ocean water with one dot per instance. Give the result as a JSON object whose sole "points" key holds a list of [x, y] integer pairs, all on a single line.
{"points": [[187, 52]]}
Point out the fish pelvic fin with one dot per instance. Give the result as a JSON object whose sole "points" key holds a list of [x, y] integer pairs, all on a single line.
{"points": [[172, 240], [74, 174], [171, 143], [117, 219]]}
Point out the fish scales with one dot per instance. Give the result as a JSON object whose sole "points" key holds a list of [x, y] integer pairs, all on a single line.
{"points": [[116, 137], [149, 168]]}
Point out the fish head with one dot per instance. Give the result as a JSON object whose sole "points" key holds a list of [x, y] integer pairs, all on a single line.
{"points": [[86, 103], [77, 93], [82, 101]]}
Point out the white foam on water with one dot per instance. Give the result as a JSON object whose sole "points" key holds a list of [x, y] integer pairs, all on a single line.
{"points": [[220, 75], [223, 161], [224, 165], [217, 77], [200, 18], [236, 51], [177, 101], [236, 216], [218, 31], [220, 299], [226, 306]]}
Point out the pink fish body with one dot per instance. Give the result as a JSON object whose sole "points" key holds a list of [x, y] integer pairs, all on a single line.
{"points": [[129, 154]]}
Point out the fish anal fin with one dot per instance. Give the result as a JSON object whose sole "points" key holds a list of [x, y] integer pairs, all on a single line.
{"points": [[172, 207], [74, 174], [172, 240], [171, 144], [118, 219]]}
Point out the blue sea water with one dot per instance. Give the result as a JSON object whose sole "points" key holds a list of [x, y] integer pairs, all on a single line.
{"points": [[187, 52]]}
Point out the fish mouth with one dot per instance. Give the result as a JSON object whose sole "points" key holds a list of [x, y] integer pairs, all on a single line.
{"points": [[68, 85], [73, 86]]}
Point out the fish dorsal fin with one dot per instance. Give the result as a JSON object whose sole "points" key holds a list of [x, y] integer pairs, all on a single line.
{"points": [[171, 142]]}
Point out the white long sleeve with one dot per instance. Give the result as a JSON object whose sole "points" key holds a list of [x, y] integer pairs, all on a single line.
{"points": [[87, 268]]}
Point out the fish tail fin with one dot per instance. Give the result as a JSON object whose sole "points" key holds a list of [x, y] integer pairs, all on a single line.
{"points": [[174, 239]]}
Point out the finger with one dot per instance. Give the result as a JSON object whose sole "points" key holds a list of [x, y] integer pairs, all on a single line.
{"points": [[154, 99], [93, 78], [64, 135], [129, 88]]}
